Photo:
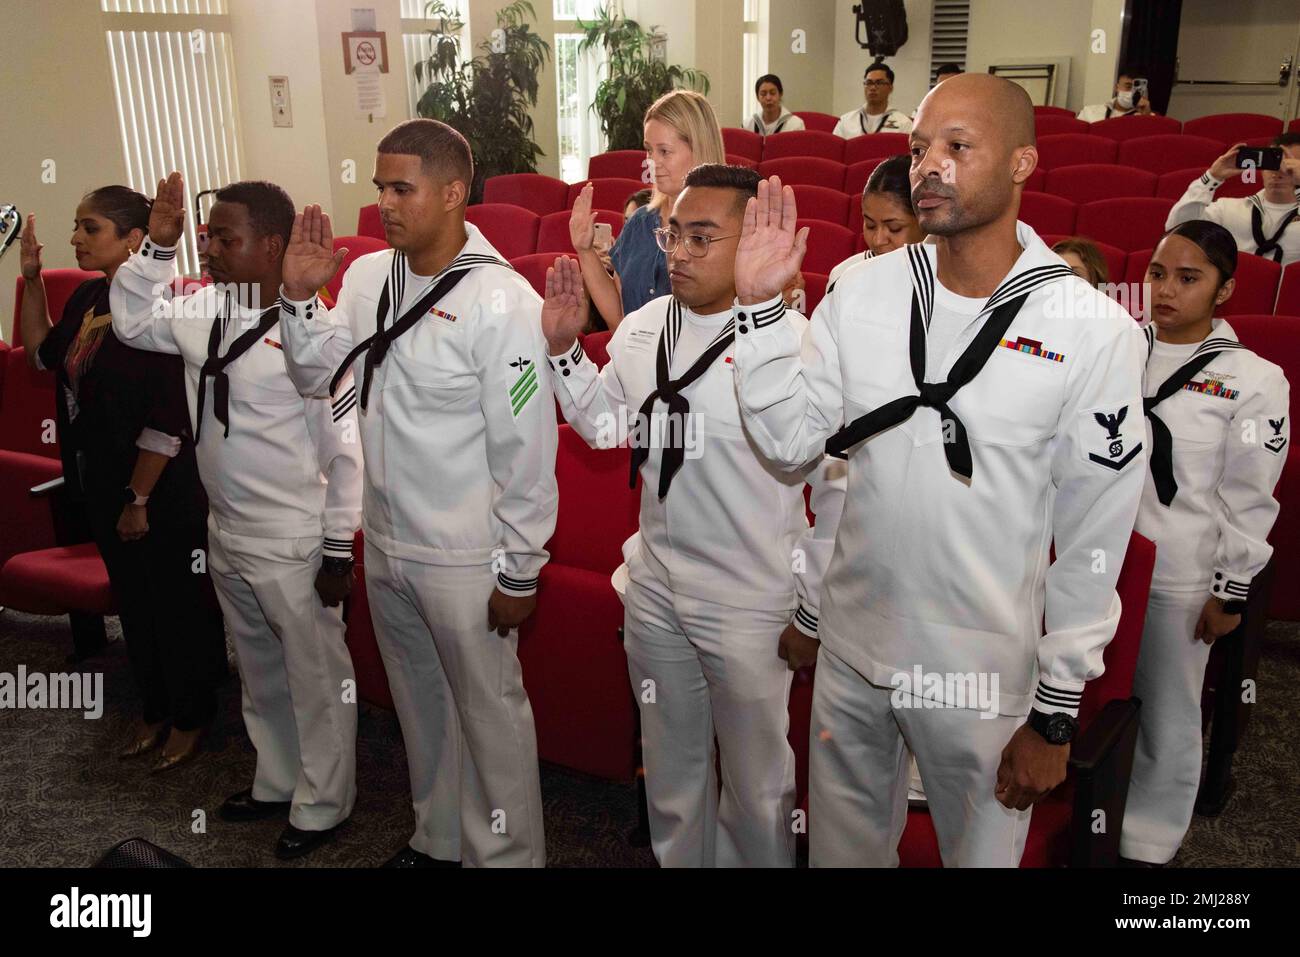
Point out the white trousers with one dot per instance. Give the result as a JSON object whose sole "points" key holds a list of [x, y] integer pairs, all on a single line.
{"points": [[714, 671], [1167, 761], [858, 776], [293, 665], [471, 744]]}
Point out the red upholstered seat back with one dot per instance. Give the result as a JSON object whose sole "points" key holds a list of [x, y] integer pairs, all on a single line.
{"points": [[357, 246], [1090, 181], [1047, 213], [623, 164], [369, 222], [874, 146], [1069, 149], [512, 230], [27, 407], [1169, 151], [541, 194], [804, 143], [1129, 222], [743, 142], [59, 286], [553, 230], [1229, 128], [598, 511], [610, 193], [1120, 128], [805, 170]]}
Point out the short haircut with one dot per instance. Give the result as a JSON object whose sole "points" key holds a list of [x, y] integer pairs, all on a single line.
{"points": [[1215, 241], [892, 177], [769, 78], [122, 206], [641, 197], [878, 65], [743, 180], [946, 68], [444, 154], [1089, 254], [1130, 70], [1287, 139], [270, 210]]}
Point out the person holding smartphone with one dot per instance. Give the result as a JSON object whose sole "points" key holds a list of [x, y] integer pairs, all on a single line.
{"points": [[1263, 224], [1129, 99]]}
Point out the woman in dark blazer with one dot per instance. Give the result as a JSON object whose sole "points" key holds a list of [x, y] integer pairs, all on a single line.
{"points": [[128, 457]]}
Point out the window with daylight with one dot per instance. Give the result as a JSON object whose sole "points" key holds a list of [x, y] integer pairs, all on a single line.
{"points": [[578, 74], [418, 44], [754, 55], [175, 97]]}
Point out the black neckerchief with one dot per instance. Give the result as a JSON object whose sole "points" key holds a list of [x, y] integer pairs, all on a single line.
{"points": [[376, 346], [1270, 246], [215, 365], [669, 391], [1005, 304]]}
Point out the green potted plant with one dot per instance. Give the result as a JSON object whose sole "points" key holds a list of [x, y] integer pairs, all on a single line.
{"points": [[488, 98], [636, 78]]}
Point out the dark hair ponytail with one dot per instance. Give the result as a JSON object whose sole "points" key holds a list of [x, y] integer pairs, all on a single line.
{"points": [[122, 206], [1213, 240], [893, 178]]}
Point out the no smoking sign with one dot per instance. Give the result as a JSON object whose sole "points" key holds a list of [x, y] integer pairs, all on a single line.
{"points": [[366, 51]]}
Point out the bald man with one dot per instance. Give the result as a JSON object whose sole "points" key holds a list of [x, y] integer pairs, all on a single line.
{"points": [[989, 403]]}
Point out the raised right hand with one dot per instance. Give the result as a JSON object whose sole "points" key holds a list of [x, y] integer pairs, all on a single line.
{"points": [[1225, 167], [563, 316], [310, 260], [582, 221], [167, 215], [30, 251]]}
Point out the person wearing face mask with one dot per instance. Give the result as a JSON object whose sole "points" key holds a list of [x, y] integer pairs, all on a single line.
{"points": [[128, 455], [1263, 224], [1124, 102], [888, 220], [724, 573], [1218, 428], [874, 115], [681, 132], [772, 116]]}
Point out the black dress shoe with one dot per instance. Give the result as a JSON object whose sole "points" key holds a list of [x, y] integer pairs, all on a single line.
{"points": [[295, 842], [409, 857], [244, 807]]}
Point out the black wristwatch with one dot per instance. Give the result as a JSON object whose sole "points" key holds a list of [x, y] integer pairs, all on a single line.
{"points": [[1233, 606], [132, 497], [1058, 728], [336, 566]]}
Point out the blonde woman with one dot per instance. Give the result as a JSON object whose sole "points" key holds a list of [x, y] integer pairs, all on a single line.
{"points": [[681, 132]]}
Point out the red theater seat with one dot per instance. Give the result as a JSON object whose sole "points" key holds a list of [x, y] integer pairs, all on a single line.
{"points": [[1161, 154], [734, 159], [608, 194], [874, 146], [1061, 829], [742, 142], [1130, 222], [1288, 295], [1256, 291], [1115, 257], [805, 171], [357, 246], [804, 143], [1120, 128], [369, 222], [553, 232], [1071, 149], [1229, 128], [617, 164], [1277, 339], [1047, 213], [58, 580], [533, 268], [541, 194], [1052, 111], [1091, 181], [821, 122], [818, 202], [1173, 184], [26, 522], [60, 284], [596, 346], [856, 176], [512, 230], [813, 293], [828, 245], [1050, 125], [27, 407], [1037, 180]]}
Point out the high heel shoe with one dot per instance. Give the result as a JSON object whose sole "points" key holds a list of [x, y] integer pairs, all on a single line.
{"points": [[186, 753], [147, 737]]}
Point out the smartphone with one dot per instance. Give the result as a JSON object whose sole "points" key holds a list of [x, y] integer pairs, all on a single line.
{"points": [[1259, 157], [604, 236], [1139, 89]]}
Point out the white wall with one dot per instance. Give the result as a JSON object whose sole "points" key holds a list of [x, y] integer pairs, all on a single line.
{"points": [[294, 157], [808, 76], [59, 106]]}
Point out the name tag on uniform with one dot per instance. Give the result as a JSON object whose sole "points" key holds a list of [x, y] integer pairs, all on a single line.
{"points": [[641, 339]]}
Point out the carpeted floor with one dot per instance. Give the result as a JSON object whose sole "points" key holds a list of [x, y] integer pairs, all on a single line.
{"points": [[65, 797]]}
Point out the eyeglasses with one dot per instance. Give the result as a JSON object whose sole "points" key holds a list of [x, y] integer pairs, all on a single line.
{"points": [[875, 83], [698, 246]]}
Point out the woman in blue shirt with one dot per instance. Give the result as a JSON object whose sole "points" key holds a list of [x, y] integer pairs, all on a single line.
{"points": [[681, 132]]}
